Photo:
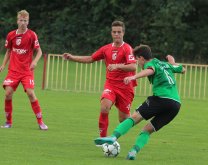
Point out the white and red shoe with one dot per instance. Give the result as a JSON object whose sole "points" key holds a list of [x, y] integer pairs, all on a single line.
{"points": [[6, 125], [42, 126]]}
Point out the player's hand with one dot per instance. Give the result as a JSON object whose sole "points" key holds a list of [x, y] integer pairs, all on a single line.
{"points": [[2, 68], [33, 65], [67, 56], [170, 59], [127, 80], [112, 67]]}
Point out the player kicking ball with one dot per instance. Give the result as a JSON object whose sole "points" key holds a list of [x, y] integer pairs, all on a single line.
{"points": [[20, 44], [161, 108]]}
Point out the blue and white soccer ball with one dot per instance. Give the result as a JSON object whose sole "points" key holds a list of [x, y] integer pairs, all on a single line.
{"points": [[111, 150]]}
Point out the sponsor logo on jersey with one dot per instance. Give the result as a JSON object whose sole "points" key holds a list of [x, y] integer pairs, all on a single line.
{"points": [[107, 91], [114, 55], [176, 66], [39, 115], [36, 43], [19, 51], [18, 41], [128, 106], [6, 43], [147, 102], [8, 82], [7, 114], [131, 57]]}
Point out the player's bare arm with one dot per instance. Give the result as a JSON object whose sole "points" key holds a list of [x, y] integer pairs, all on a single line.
{"points": [[127, 68], [171, 60], [143, 73], [81, 59], [6, 59], [36, 59]]}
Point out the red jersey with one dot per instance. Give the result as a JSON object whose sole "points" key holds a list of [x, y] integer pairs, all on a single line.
{"points": [[116, 55], [22, 47]]}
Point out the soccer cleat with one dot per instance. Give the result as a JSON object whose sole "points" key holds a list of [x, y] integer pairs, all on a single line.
{"points": [[102, 140], [6, 125], [42, 126], [131, 155]]}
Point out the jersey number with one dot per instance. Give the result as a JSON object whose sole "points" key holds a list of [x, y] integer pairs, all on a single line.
{"points": [[170, 80], [32, 82]]}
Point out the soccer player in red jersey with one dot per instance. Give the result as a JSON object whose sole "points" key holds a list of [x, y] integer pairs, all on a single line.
{"points": [[20, 44], [120, 62]]}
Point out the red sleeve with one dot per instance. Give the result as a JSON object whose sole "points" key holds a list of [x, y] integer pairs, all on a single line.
{"points": [[8, 42], [36, 42], [98, 55], [129, 54]]}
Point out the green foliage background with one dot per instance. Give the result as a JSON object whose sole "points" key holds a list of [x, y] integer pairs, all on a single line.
{"points": [[81, 26]]}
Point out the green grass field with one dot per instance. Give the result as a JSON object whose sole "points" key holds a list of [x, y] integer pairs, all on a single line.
{"points": [[72, 120]]}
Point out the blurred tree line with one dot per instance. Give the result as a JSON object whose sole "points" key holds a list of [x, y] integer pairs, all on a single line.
{"points": [[178, 27]]}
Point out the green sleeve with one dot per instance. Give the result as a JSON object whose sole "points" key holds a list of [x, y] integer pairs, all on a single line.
{"points": [[149, 65], [176, 68]]}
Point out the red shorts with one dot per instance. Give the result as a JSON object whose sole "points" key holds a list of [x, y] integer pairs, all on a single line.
{"points": [[13, 79], [121, 97]]}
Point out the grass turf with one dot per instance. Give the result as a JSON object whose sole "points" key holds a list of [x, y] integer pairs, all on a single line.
{"points": [[72, 121]]}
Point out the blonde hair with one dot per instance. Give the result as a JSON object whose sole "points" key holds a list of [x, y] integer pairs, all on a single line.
{"points": [[23, 13]]}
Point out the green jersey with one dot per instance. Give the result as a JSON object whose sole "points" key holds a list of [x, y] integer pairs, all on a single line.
{"points": [[163, 80]]}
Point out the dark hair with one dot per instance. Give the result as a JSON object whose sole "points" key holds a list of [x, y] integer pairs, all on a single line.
{"points": [[144, 51], [118, 23]]}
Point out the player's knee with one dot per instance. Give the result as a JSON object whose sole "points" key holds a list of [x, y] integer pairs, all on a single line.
{"points": [[149, 128], [31, 95], [8, 95], [122, 118], [105, 108], [136, 117], [105, 105]]}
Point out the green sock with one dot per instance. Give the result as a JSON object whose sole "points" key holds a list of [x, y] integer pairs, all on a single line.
{"points": [[123, 127], [141, 140]]}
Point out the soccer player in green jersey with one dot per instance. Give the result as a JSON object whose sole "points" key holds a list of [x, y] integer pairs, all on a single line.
{"points": [[161, 108]]}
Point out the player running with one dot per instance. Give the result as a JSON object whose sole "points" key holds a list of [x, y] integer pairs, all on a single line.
{"points": [[161, 108], [20, 45], [120, 63]]}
